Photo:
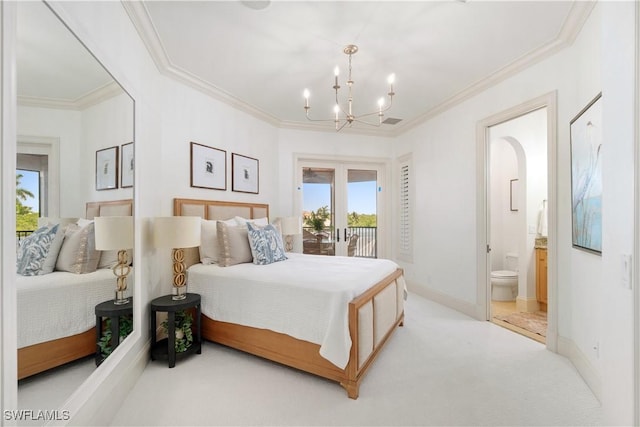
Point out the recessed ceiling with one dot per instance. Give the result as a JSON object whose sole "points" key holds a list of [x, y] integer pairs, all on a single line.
{"points": [[261, 55]]}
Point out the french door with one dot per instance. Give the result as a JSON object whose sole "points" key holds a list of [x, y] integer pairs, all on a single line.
{"points": [[339, 204]]}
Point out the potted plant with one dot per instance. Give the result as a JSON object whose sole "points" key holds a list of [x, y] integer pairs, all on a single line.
{"points": [[104, 343], [184, 334], [317, 220]]}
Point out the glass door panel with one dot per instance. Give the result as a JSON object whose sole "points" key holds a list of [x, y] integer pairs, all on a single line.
{"points": [[360, 233], [318, 189]]}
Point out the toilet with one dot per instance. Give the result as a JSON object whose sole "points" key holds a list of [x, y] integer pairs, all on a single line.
{"points": [[504, 283]]}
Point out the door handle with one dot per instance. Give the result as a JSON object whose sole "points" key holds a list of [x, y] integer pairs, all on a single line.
{"points": [[337, 234], [345, 234]]}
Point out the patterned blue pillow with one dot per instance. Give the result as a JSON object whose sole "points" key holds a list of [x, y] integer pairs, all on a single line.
{"points": [[34, 249], [266, 244]]}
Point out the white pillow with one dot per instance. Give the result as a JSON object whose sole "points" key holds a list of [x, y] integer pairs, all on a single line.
{"points": [[78, 253], [261, 222], [234, 244], [209, 245]]}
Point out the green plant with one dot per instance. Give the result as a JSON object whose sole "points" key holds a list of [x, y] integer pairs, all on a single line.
{"points": [[317, 219], [184, 334], [104, 343]]}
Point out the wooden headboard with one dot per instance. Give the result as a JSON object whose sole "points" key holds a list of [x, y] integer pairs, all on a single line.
{"points": [[109, 208], [218, 210]]}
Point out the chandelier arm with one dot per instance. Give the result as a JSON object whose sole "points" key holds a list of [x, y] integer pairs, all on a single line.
{"points": [[367, 123]]}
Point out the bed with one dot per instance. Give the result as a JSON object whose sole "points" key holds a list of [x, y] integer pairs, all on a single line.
{"points": [[369, 311], [50, 332]]}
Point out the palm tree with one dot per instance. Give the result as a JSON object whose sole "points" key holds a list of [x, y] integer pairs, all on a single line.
{"points": [[22, 194]]}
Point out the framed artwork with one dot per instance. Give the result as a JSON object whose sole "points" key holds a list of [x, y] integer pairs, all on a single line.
{"points": [[208, 167], [107, 168], [126, 165], [245, 176], [513, 195], [586, 177]]}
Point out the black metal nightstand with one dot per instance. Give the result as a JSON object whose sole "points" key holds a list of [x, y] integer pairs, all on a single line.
{"points": [[166, 347], [114, 312]]}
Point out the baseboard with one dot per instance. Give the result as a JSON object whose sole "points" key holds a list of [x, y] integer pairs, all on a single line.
{"points": [[464, 307], [570, 350], [527, 304], [102, 399]]}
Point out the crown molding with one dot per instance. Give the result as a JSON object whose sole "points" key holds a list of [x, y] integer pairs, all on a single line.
{"points": [[94, 97], [143, 23], [571, 27]]}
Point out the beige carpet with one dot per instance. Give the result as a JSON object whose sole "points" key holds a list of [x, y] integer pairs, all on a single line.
{"points": [[532, 322]]}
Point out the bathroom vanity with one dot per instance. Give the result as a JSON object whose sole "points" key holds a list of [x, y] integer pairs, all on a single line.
{"points": [[541, 275]]}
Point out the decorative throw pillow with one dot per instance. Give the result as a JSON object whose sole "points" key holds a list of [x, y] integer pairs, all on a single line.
{"points": [[209, 245], [266, 244], [78, 253], [234, 244], [34, 249], [49, 263]]}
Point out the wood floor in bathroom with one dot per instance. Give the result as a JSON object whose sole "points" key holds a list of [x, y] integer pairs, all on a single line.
{"points": [[499, 308]]}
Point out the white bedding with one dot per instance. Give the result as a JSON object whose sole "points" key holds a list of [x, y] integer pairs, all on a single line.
{"points": [[305, 296], [60, 304]]}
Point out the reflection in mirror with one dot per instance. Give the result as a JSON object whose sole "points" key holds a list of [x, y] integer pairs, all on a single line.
{"points": [[69, 110]]}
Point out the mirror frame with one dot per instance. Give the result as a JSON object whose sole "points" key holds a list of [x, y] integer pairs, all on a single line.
{"points": [[8, 121]]}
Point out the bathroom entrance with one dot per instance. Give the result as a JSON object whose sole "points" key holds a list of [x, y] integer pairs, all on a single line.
{"points": [[517, 212]]}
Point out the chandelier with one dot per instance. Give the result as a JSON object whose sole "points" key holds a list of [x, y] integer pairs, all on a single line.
{"points": [[344, 111]]}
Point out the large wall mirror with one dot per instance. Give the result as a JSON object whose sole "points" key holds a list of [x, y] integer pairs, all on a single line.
{"points": [[75, 127]]}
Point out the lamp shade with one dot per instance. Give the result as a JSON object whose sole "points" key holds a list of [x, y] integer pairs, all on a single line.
{"points": [[113, 232], [176, 231], [291, 225]]}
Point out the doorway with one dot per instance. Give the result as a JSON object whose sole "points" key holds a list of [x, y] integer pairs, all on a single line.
{"points": [[515, 197], [339, 205]]}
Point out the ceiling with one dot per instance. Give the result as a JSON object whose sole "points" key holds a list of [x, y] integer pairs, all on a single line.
{"points": [[259, 56], [53, 68]]}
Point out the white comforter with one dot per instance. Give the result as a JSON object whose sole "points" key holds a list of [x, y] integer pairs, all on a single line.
{"points": [[60, 304], [305, 296]]}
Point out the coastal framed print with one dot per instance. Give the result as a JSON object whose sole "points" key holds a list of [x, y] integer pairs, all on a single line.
{"points": [[245, 174], [107, 168], [586, 177], [208, 167]]}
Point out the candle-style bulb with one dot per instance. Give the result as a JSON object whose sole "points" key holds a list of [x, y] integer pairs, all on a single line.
{"points": [[391, 79], [380, 104], [336, 71], [306, 98]]}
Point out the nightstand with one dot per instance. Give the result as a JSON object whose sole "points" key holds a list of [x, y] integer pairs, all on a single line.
{"points": [[114, 312], [167, 347]]}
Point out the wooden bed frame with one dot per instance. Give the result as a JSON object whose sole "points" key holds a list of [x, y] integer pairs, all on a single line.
{"points": [[373, 316], [40, 357]]}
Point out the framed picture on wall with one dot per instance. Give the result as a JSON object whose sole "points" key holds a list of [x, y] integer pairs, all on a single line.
{"points": [[208, 167], [107, 168], [126, 165], [586, 177], [245, 174]]}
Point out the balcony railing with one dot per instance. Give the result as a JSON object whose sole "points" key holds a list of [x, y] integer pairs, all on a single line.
{"points": [[22, 234], [366, 246]]}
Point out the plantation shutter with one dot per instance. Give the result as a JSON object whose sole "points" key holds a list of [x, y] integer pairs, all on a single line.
{"points": [[404, 232]]}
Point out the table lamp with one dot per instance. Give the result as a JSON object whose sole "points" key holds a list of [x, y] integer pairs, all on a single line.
{"points": [[177, 232], [116, 233], [291, 226]]}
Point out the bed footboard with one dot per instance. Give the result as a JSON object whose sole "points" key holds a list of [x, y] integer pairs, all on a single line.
{"points": [[373, 316]]}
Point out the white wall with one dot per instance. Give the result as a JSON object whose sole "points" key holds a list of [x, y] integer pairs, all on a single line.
{"points": [[619, 42], [67, 126], [104, 125]]}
